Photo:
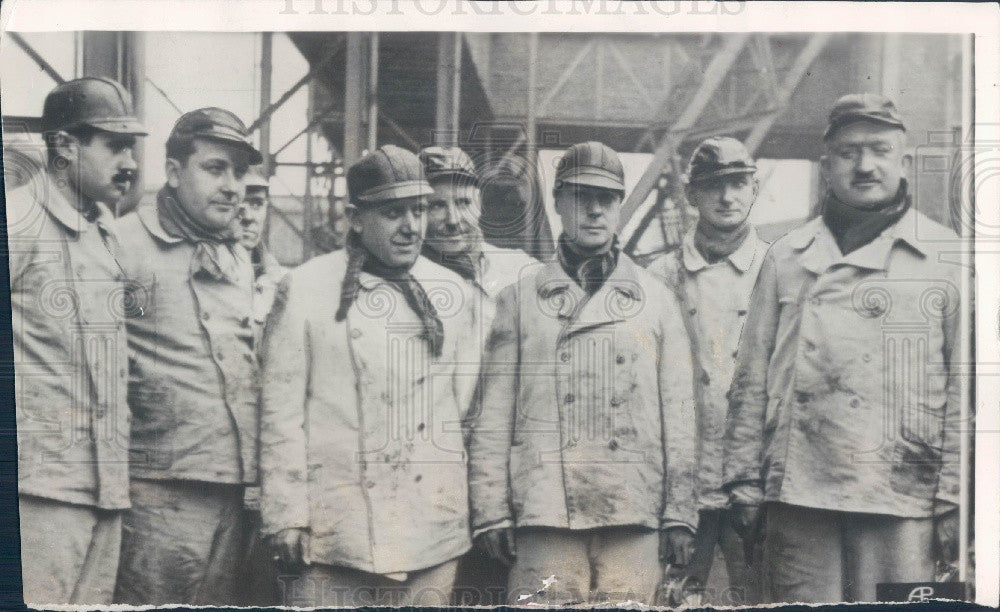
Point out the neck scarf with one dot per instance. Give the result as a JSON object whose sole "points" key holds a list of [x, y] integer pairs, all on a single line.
{"points": [[854, 227], [589, 270], [464, 263], [715, 244], [358, 259], [213, 253]]}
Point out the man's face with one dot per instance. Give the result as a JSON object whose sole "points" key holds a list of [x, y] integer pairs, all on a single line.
{"points": [[864, 163], [589, 214], [105, 168], [210, 185], [392, 231], [253, 214], [453, 212], [724, 202]]}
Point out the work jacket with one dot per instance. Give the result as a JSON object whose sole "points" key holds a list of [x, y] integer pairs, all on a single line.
{"points": [[846, 392], [193, 372], [70, 362], [264, 286], [714, 298], [362, 440], [587, 414]]}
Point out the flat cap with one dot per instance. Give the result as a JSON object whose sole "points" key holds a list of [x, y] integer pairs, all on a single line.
{"points": [[862, 107], [591, 163], [98, 102], [217, 124], [719, 156], [442, 162], [389, 173], [255, 177]]}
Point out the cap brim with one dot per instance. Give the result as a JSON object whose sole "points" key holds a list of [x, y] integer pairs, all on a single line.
{"points": [[120, 126], [720, 173], [457, 175], [856, 117], [396, 191], [592, 179], [254, 155]]}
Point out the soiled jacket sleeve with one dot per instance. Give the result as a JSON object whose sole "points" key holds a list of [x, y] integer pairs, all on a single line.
{"points": [[492, 421], [748, 393], [283, 441], [680, 436], [956, 360]]}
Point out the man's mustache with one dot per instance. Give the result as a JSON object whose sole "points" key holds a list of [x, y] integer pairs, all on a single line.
{"points": [[124, 175]]}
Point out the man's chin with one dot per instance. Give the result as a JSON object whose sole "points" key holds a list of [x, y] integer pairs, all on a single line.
{"points": [[448, 246]]}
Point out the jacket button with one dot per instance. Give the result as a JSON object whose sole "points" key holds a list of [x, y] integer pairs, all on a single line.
{"points": [[564, 357], [355, 333], [741, 313], [693, 311], [855, 403], [620, 359], [205, 316], [705, 378], [613, 444], [220, 356], [569, 398], [100, 412], [866, 357], [371, 484], [816, 301]]}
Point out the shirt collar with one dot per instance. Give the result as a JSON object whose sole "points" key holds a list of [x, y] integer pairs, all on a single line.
{"points": [[820, 251], [420, 270], [150, 218], [741, 259], [69, 216]]}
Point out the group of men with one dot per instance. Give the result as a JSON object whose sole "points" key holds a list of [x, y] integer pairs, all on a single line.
{"points": [[198, 425]]}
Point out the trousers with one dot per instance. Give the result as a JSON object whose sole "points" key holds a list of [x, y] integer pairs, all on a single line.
{"points": [[559, 566], [321, 585], [715, 530], [182, 542], [812, 555], [69, 553]]}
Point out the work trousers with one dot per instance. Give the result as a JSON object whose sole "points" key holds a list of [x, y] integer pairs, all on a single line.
{"points": [[560, 566], [824, 556], [321, 585], [69, 553], [716, 530], [182, 542]]}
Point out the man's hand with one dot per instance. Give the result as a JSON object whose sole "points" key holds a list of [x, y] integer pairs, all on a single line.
{"points": [[290, 548], [745, 519], [676, 545], [946, 536], [498, 544]]}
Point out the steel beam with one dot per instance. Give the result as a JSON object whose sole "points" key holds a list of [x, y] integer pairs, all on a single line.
{"points": [[449, 84], [564, 77], [792, 79], [713, 77], [265, 100], [36, 57], [355, 97]]}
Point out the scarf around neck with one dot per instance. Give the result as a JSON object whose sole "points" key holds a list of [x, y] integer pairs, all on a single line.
{"points": [[360, 259], [213, 253], [464, 263], [589, 270], [715, 245], [854, 227]]}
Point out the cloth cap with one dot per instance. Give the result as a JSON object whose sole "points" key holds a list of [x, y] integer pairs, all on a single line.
{"points": [[440, 162], [255, 177], [216, 124], [390, 173], [98, 102], [862, 107], [591, 163], [719, 156]]}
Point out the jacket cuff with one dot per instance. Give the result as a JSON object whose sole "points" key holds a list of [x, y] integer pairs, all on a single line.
{"points": [[670, 524], [746, 494], [501, 524]]}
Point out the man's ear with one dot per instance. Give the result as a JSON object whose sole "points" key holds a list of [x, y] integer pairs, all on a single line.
{"points": [[173, 171], [824, 166], [907, 162], [353, 217], [756, 188], [65, 145]]}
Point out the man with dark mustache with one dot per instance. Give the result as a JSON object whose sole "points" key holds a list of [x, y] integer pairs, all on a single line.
{"points": [[69, 345], [363, 491], [842, 442], [193, 372], [713, 273], [581, 455]]}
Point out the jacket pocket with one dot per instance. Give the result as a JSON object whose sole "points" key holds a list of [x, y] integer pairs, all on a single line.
{"points": [[153, 423], [915, 469]]}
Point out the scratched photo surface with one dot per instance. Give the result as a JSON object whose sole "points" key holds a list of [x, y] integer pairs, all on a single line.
{"points": [[354, 318]]}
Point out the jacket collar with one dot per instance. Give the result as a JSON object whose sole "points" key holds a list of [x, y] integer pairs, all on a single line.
{"points": [[68, 216], [150, 218], [569, 302], [741, 259], [422, 270], [820, 251]]}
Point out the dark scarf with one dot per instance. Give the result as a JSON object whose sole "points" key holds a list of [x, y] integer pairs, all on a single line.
{"points": [[854, 227], [214, 249], [358, 259], [715, 244], [589, 270], [465, 263]]}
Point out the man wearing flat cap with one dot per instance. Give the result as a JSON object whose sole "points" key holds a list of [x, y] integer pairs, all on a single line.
{"points": [[843, 436], [713, 273], [69, 345], [364, 489], [581, 455], [192, 370]]}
